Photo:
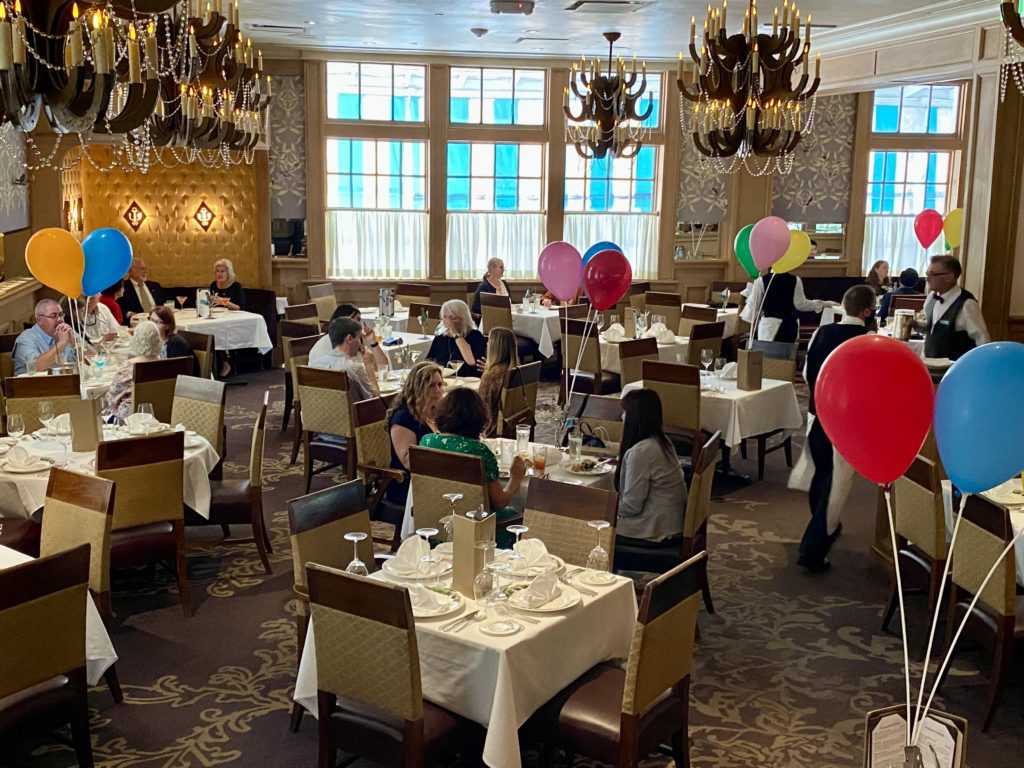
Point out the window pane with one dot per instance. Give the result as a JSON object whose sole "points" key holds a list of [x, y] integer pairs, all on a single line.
{"points": [[409, 92], [619, 185], [465, 95], [375, 91], [530, 195], [530, 160], [574, 194], [458, 159], [414, 193], [379, 92], [506, 160], [339, 191], [886, 117], [379, 174], [874, 199], [483, 160], [343, 90], [940, 172], [497, 93], [644, 196], [914, 109], [458, 194], [482, 194], [385, 190], [529, 97], [505, 195], [917, 166], [363, 192], [412, 160], [876, 166], [364, 156], [944, 109], [645, 159]]}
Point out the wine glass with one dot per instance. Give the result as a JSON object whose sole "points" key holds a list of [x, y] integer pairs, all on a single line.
{"points": [[45, 409], [599, 321], [707, 357], [455, 363], [357, 566], [517, 560], [448, 521], [496, 604], [181, 301], [15, 426], [483, 584], [429, 564], [64, 436], [597, 560], [423, 324], [614, 320], [144, 408]]}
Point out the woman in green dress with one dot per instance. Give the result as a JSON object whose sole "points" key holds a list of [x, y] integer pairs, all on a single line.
{"points": [[460, 418]]}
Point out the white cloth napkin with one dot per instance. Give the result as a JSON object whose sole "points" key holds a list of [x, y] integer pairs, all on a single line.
{"points": [[60, 424], [615, 332], [661, 333], [140, 423], [534, 551], [407, 558], [398, 306], [426, 600], [19, 458], [541, 591], [729, 371]]}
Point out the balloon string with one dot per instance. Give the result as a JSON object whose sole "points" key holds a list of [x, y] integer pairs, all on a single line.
{"points": [[76, 339], [760, 309], [579, 355], [903, 614], [960, 629]]}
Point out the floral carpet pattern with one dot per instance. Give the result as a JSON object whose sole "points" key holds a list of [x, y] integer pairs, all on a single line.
{"points": [[785, 669]]}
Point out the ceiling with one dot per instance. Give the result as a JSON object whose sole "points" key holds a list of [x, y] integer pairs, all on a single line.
{"points": [[653, 29]]}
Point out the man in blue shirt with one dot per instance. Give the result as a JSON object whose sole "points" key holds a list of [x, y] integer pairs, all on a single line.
{"points": [[49, 342]]}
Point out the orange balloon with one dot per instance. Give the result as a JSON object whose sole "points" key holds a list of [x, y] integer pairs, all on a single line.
{"points": [[55, 258]]}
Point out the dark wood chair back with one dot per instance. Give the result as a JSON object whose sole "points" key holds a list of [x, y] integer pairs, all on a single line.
{"points": [[704, 314], [412, 293], [905, 301], [323, 290], [433, 312], [573, 312], [154, 381], [303, 313], [632, 353], [203, 348], [434, 473], [704, 336], [671, 373]]}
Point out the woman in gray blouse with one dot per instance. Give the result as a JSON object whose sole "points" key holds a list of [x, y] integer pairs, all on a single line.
{"points": [[652, 489]]}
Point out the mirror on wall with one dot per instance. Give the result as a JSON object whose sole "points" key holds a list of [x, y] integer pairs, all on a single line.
{"points": [[288, 237]]}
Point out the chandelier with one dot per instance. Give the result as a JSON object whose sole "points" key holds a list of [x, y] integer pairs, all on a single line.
{"points": [[608, 120], [164, 81], [1014, 42], [743, 105]]}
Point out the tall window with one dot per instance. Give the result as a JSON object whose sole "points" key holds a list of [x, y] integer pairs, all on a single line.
{"points": [[487, 96], [494, 177], [378, 92], [914, 152]]}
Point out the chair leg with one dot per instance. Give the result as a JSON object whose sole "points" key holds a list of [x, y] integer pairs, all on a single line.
{"points": [[288, 396], [266, 538], [890, 610], [110, 677], [787, 449], [182, 566], [80, 724], [307, 461], [762, 445], [1000, 672], [681, 749], [298, 433], [296, 719], [226, 530], [743, 448], [104, 606], [328, 754], [705, 588], [259, 534]]}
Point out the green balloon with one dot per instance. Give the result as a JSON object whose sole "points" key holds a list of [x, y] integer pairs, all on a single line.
{"points": [[743, 254]]}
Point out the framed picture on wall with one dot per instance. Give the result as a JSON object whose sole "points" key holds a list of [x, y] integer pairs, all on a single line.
{"points": [[14, 212]]}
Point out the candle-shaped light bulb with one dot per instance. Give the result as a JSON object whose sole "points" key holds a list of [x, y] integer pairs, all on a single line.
{"points": [[775, 22], [693, 30], [268, 85], [19, 34], [259, 55], [134, 61], [97, 20], [725, 8], [565, 96], [806, 54], [679, 67], [817, 66], [6, 58], [807, 34], [74, 11]]}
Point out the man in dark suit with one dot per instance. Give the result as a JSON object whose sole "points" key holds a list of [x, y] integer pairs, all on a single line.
{"points": [[140, 294], [824, 528]]}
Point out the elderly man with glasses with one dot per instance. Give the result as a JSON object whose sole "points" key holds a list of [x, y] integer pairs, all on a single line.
{"points": [[48, 342], [953, 322]]}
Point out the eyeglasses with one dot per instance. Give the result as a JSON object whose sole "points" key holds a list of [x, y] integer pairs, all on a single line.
{"points": [[54, 316]]}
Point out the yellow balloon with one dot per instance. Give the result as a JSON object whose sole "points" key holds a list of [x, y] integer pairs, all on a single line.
{"points": [[953, 227], [55, 258], [797, 253]]}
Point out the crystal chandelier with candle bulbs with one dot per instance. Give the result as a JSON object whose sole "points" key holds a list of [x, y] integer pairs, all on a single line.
{"points": [[608, 120], [1011, 65], [158, 81], [748, 97]]}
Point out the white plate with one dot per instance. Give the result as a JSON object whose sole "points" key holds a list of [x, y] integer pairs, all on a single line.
{"points": [[567, 597], [500, 627], [455, 604], [42, 464], [601, 469], [389, 388], [595, 578], [446, 568], [445, 548], [937, 362], [535, 570], [193, 442]]}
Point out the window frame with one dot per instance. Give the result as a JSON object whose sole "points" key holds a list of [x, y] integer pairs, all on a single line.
{"points": [[350, 121], [494, 178], [543, 124], [328, 173], [655, 181]]}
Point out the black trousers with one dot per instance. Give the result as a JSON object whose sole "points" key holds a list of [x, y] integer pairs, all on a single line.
{"points": [[817, 541]]}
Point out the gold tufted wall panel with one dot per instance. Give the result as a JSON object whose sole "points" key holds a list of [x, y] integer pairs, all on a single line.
{"points": [[176, 249]]}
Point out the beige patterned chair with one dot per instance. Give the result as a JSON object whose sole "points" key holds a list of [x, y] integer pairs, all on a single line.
{"points": [[618, 715], [323, 298], [434, 473], [367, 708], [586, 369], [24, 393], [704, 336], [632, 354], [920, 521], [678, 386], [779, 363], [199, 405], [202, 348], [412, 293], [495, 311], [433, 312], [985, 532], [519, 393], [149, 522], [670, 305], [295, 351], [557, 514], [154, 382], [326, 420], [638, 296], [317, 524], [42, 649], [373, 463]]}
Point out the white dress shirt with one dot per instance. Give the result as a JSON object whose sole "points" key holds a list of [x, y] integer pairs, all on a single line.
{"points": [[969, 319], [769, 326], [100, 322]]}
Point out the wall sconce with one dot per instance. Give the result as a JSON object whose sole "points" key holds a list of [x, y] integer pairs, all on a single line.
{"points": [[204, 216], [135, 216], [74, 215]]}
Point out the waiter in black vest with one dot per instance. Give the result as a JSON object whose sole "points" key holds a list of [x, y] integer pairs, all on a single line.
{"points": [[954, 325], [783, 296], [824, 527]]}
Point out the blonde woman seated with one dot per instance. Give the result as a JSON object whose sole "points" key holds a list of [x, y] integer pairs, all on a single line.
{"points": [[458, 341], [501, 358], [410, 418], [145, 346], [493, 281]]}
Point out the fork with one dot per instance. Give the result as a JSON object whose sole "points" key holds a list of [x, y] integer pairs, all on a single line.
{"points": [[461, 620], [474, 619]]}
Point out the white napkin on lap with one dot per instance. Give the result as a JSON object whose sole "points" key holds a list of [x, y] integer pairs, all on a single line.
{"points": [[534, 551], [729, 371], [407, 558], [61, 424], [541, 591], [140, 423], [615, 332], [19, 458], [426, 600]]}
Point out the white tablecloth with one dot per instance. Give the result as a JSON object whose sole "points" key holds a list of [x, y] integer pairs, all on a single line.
{"points": [[99, 651], [21, 495], [739, 414], [230, 330], [500, 682], [399, 322], [1008, 494], [729, 316], [667, 353], [413, 341], [540, 326]]}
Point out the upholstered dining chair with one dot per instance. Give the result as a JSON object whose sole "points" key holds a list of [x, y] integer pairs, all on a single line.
{"points": [[586, 369], [779, 363], [317, 524], [572, 312], [154, 382], [24, 393], [920, 522], [434, 473], [296, 343], [602, 417], [326, 420], [701, 314], [620, 715], [240, 501], [373, 464], [433, 314], [638, 295], [632, 354], [704, 336], [668, 304], [149, 520], [199, 405], [678, 387], [905, 301], [323, 298], [412, 293], [985, 532], [203, 349], [557, 514], [42, 650], [7, 342], [308, 314], [518, 394], [366, 708]]}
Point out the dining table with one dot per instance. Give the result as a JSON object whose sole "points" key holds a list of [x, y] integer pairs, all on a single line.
{"points": [[231, 329], [500, 681], [99, 651], [738, 413], [399, 320], [667, 353], [538, 324], [730, 316], [21, 494], [1010, 495]]}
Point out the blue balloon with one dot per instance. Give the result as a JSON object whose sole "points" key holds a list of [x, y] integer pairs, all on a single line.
{"points": [[108, 256], [596, 248], [979, 417]]}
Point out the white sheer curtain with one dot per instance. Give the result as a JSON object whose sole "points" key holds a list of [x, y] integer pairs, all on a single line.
{"points": [[514, 237], [892, 239], [376, 244], [636, 234]]}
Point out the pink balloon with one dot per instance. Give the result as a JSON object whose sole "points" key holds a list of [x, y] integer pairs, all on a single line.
{"points": [[561, 269], [769, 241]]}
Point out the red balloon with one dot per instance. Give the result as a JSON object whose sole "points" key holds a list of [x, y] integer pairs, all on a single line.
{"points": [[606, 277], [928, 227], [846, 398]]}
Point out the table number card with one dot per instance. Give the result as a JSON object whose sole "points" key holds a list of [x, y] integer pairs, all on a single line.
{"points": [[468, 558], [749, 366], [942, 743], [86, 424]]}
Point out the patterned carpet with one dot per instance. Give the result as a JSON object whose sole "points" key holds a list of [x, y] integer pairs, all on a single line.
{"points": [[784, 672]]}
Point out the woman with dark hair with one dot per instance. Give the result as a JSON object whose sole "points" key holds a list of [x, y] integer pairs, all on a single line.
{"points": [[460, 418], [878, 277], [501, 358], [652, 489], [175, 345]]}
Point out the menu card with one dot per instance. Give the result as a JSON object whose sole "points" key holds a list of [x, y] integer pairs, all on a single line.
{"points": [[942, 744]]}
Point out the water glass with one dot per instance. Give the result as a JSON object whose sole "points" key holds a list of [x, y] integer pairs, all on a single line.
{"points": [[597, 560], [523, 439], [31, 367], [382, 376], [15, 426], [483, 584], [614, 320], [64, 437], [516, 560], [575, 446], [357, 566], [144, 408]]}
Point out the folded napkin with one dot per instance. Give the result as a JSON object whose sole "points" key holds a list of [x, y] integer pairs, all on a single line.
{"points": [[407, 558], [60, 425], [426, 600], [534, 551], [398, 306], [541, 591], [140, 423], [19, 458], [615, 332], [729, 371], [661, 333]]}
